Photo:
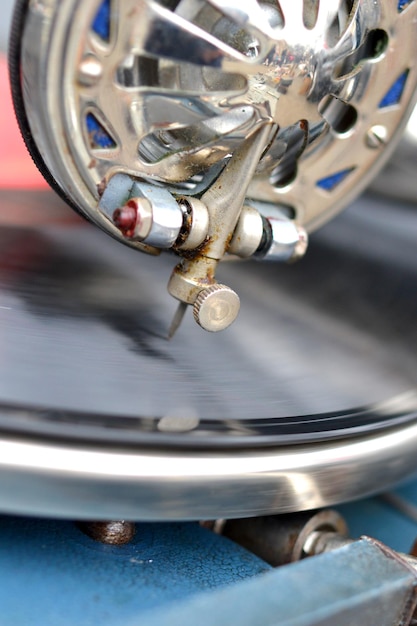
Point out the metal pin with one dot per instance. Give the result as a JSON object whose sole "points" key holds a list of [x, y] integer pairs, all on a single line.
{"points": [[178, 317]]}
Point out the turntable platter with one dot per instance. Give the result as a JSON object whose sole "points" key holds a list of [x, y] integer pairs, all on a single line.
{"points": [[323, 355]]}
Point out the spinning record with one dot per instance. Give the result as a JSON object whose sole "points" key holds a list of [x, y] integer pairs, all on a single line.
{"points": [[317, 374]]}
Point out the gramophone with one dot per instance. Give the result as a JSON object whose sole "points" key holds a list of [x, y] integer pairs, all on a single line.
{"points": [[210, 141]]}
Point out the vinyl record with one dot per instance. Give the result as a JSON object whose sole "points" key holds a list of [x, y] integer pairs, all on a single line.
{"points": [[315, 381]]}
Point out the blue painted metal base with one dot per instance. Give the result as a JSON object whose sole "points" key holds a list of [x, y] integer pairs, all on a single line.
{"points": [[379, 518], [51, 574], [358, 584]]}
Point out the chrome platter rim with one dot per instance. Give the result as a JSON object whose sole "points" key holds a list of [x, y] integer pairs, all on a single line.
{"points": [[58, 479]]}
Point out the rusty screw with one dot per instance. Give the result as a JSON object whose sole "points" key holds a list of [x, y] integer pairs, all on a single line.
{"points": [[115, 533]]}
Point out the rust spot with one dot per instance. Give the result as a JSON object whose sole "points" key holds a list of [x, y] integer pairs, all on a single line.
{"points": [[228, 240], [210, 277], [197, 253], [186, 223], [101, 187]]}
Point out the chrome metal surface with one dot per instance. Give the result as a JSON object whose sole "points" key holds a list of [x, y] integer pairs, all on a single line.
{"points": [[69, 480], [288, 241], [169, 94], [166, 216], [102, 418], [248, 233], [398, 179], [292, 104]]}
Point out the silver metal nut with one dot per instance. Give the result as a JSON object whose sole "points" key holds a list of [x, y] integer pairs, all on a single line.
{"points": [[289, 240], [216, 308], [248, 233]]}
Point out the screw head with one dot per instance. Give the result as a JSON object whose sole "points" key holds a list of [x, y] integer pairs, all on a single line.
{"points": [[90, 71], [376, 137], [216, 308], [115, 533]]}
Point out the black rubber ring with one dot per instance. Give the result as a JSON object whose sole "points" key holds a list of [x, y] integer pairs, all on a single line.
{"points": [[14, 62]]}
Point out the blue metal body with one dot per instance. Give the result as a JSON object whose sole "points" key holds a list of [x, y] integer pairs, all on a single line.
{"points": [[357, 584], [52, 574]]}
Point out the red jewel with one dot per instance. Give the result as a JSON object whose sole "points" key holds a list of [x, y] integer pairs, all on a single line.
{"points": [[125, 218]]}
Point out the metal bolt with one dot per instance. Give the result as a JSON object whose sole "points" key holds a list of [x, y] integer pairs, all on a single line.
{"points": [[376, 137], [116, 533], [134, 219], [216, 308], [281, 539], [90, 71]]}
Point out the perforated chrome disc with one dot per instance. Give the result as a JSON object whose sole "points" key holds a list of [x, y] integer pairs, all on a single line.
{"points": [[165, 91]]}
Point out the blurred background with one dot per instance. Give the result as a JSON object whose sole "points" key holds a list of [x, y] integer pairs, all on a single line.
{"points": [[5, 22]]}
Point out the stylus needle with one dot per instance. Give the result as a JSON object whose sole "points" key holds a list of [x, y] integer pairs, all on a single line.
{"points": [[178, 317]]}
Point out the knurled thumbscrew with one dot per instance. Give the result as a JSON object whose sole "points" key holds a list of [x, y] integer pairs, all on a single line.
{"points": [[216, 307]]}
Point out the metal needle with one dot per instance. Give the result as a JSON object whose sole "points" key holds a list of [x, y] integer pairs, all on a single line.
{"points": [[177, 319]]}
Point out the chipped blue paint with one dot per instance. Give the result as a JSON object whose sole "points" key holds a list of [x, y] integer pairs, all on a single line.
{"points": [[99, 137], [393, 95], [331, 182], [101, 23]]}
